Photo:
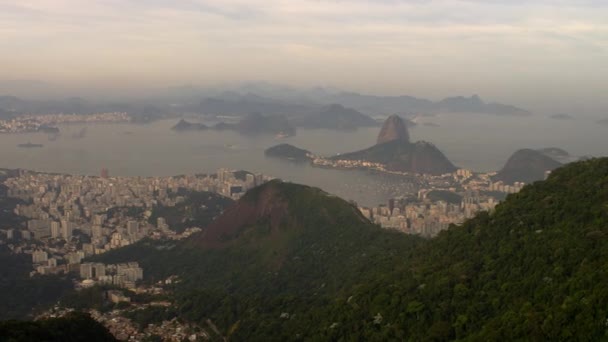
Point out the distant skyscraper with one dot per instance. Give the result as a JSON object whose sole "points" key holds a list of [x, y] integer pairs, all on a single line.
{"points": [[66, 229], [55, 229], [97, 231], [105, 173]]}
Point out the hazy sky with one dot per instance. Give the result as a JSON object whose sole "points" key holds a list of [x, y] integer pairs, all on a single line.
{"points": [[511, 50]]}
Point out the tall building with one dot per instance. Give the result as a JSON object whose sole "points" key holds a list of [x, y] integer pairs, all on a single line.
{"points": [[224, 175], [99, 270], [86, 271], [97, 231], [105, 174], [99, 220], [92, 270], [131, 271], [55, 229], [66, 229]]}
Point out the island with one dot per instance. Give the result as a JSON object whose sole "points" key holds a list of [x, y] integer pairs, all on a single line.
{"points": [[561, 116], [252, 124], [184, 126], [288, 152], [30, 145]]}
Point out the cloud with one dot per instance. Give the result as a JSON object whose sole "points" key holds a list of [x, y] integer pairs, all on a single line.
{"points": [[341, 40]]}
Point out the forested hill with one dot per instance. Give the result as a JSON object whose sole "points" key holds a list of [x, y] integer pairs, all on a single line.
{"points": [[74, 327], [536, 269]]}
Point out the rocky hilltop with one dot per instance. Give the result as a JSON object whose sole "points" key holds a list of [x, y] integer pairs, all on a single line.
{"points": [[277, 211], [393, 129], [398, 154], [528, 166]]}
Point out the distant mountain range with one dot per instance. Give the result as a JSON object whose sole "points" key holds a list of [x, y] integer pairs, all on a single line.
{"points": [[239, 104], [335, 116], [254, 123], [371, 104], [256, 97]]}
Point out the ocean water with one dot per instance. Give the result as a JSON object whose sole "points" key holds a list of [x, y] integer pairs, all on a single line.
{"points": [[474, 141]]}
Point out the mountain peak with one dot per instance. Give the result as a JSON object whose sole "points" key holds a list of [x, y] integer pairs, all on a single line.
{"points": [[271, 210], [527, 165], [393, 129]]}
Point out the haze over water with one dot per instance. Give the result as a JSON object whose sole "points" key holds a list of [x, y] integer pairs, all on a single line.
{"points": [[474, 141]]}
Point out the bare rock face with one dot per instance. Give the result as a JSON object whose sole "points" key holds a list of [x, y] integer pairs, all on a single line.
{"points": [[393, 129]]}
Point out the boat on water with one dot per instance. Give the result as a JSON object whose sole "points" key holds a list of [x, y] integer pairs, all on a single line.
{"points": [[30, 145]]}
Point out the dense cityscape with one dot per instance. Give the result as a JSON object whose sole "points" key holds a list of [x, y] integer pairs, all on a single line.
{"points": [[70, 209], [47, 123]]}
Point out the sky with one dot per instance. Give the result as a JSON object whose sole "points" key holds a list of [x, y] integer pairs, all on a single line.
{"points": [[551, 53]]}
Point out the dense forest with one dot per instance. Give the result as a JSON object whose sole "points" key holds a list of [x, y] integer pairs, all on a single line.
{"points": [[198, 209], [533, 269], [73, 327]]}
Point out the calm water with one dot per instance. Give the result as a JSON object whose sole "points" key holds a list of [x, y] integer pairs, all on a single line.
{"points": [[478, 142]]}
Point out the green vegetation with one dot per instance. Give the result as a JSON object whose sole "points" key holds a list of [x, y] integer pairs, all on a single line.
{"points": [[150, 315], [73, 327], [20, 293], [92, 298], [197, 210], [288, 152], [8, 219], [528, 166], [306, 266]]}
